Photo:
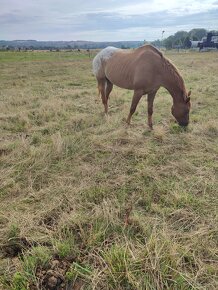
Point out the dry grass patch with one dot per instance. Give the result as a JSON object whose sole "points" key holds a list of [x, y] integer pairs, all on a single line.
{"points": [[90, 203]]}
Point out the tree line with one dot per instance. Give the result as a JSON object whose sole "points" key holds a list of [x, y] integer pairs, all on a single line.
{"points": [[181, 39]]}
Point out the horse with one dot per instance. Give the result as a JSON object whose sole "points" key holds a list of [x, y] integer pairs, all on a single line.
{"points": [[143, 70]]}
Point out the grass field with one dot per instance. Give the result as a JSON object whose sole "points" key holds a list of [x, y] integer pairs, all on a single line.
{"points": [[89, 203]]}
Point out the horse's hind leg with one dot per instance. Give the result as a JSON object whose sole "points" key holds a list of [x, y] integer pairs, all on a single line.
{"points": [[102, 92], [109, 87]]}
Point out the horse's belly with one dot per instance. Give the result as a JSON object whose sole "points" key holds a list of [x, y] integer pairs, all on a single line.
{"points": [[120, 82], [119, 78], [126, 76]]}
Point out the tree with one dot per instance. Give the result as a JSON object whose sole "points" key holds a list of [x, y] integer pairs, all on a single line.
{"points": [[197, 33], [179, 38], [187, 43], [169, 42]]}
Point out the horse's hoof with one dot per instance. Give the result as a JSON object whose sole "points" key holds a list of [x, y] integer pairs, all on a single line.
{"points": [[150, 127]]}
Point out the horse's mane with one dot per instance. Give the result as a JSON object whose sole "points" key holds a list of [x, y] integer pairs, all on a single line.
{"points": [[171, 68], [168, 65], [154, 49], [151, 47]]}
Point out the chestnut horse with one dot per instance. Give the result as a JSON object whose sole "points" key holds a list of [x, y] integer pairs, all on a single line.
{"points": [[143, 70]]}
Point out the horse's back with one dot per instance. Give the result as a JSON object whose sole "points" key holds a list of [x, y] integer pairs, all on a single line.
{"points": [[129, 56], [128, 69]]}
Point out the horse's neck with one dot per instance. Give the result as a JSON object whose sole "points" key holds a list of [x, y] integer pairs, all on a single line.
{"points": [[175, 85], [176, 92]]}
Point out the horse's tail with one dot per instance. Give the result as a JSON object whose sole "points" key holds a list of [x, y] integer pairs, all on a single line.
{"points": [[99, 88]]}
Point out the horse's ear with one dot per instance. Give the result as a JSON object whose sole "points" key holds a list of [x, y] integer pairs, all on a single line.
{"points": [[188, 100], [189, 93]]}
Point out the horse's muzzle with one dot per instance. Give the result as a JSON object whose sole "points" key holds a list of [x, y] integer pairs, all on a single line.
{"points": [[183, 124]]}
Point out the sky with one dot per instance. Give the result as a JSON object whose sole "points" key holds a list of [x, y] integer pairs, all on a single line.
{"points": [[99, 20]]}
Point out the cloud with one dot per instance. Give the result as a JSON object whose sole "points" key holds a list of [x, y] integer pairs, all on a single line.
{"points": [[100, 20]]}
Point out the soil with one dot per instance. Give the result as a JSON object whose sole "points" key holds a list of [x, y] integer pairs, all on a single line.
{"points": [[53, 277]]}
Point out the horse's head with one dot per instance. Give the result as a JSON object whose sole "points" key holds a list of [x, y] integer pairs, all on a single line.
{"points": [[181, 110]]}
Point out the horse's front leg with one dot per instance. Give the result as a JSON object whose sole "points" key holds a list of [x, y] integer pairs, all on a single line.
{"points": [[136, 98], [150, 101]]}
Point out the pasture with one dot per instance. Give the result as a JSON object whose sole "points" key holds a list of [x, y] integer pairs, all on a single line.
{"points": [[90, 203]]}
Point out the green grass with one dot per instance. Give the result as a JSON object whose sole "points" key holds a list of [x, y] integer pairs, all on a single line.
{"points": [[113, 207], [13, 56]]}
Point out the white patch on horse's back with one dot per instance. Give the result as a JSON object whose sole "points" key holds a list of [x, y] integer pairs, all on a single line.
{"points": [[104, 54]]}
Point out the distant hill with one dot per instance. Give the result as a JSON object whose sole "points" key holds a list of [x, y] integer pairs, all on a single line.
{"points": [[34, 44]]}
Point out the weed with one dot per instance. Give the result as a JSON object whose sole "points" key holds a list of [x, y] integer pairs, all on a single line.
{"points": [[36, 256], [19, 282]]}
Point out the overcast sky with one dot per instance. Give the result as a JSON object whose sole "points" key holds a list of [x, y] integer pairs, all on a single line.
{"points": [[99, 20]]}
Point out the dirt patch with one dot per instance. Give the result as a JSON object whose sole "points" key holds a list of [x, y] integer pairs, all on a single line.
{"points": [[54, 277], [15, 246]]}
